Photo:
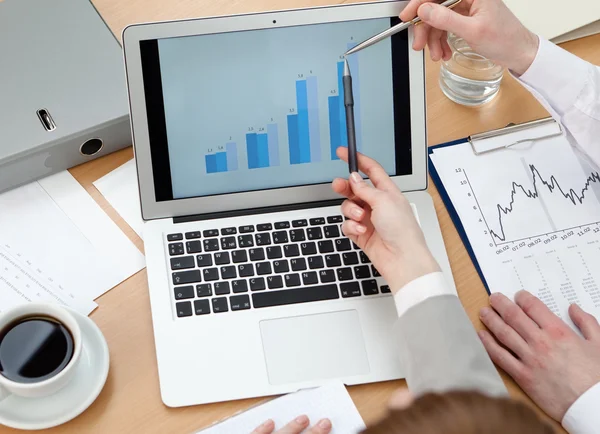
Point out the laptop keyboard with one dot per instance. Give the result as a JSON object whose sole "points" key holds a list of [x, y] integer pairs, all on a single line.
{"points": [[265, 265]]}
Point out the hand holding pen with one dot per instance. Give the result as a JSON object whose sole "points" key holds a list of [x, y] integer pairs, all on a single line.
{"points": [[489, 27], [450, 4], [347, 81]]}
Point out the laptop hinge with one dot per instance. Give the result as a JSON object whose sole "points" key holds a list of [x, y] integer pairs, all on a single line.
{"points": [[253, 211]]}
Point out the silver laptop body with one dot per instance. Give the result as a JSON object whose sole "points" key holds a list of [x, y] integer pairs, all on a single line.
{"points": [[254, 289]]}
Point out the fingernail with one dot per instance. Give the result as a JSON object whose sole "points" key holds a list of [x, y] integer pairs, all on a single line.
{"points": [[484, 312], [361, 229], [355, 177], [425, 12], [481, 334], [267, 423], [325, 424], [357, 212], [302, 420]]}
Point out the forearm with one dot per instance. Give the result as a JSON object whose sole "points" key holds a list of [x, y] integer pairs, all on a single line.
{"points": [[569, 88], [439, 348]]}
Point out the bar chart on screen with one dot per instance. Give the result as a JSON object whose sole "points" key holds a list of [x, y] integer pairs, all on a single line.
{"points": [[302, 132], [263, 147], [266, 109], [225, 159]]}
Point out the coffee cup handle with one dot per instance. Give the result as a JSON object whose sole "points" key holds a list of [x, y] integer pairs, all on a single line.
{"points": [[3, 393]]}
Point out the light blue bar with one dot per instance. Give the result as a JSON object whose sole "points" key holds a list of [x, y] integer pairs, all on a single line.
{"points": [[292, 124], [232, 156], [354, 71], [273, 136], [252, 150], [341, 108], [313, 118], [221, 158], [303, 130], [211, 163], [263, 150], [334, 125]]}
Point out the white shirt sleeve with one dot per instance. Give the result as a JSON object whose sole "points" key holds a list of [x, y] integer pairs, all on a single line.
{"points": [[569, 88], [421, 289], [583, 417]]}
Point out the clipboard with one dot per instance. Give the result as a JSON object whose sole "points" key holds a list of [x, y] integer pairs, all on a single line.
{"points": [[483, 143]]}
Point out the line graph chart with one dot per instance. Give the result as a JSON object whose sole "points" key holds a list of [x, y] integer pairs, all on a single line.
{"points": [[571, 196], [517, 198], [532, 219]]}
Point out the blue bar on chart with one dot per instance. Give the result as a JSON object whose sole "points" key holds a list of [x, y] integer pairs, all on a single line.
{"points": [[221, 161], [252, 150], [353, 64], [232, 156], [313, 118], [257, 146], [262, 149], [211, 163], [303, 126], [334, 128], [336, 104], [294, 141], [273, 138]]}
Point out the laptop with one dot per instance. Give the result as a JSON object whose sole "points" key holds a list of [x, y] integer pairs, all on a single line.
{"points": [[253, 287]]}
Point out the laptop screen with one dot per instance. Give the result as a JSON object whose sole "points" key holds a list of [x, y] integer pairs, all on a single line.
{"points": [[264, 109]]}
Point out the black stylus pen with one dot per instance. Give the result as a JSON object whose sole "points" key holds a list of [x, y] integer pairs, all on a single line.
{"points": [[349, 104]]}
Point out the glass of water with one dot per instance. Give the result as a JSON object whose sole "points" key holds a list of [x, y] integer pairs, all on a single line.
{"points": [[469, 78]]}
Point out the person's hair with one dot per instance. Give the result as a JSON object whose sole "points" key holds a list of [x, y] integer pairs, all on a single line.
{"points": [[462, 413]]}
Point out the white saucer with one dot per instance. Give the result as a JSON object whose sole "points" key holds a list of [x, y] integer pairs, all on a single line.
{"points": [[74, 398]]}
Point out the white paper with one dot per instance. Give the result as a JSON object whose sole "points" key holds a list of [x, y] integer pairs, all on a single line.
{"points": [[120, 188], [60, 229], [330, 401], [549, 18], [532, 217], [560, 277], [22, 282]]}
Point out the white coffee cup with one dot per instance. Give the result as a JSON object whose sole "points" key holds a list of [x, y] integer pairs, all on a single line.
{"points": [[50, 385]]}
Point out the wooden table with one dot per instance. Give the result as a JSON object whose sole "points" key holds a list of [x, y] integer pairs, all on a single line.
{"points": [[130, 401]]}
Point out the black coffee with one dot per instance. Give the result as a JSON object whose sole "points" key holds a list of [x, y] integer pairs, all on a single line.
{"points": [[34, 349]]}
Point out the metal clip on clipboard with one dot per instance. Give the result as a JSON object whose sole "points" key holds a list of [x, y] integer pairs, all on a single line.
{"points": [[513, 135]]}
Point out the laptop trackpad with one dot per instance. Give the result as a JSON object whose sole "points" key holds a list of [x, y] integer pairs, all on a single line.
{"points": [[314, 347]]}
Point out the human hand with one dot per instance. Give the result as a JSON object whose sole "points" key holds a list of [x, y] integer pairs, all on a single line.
{"points": [[488, 26], [381, 222], [296, 426], [550, 362]]}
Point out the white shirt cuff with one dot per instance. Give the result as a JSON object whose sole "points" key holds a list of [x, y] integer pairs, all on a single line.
{"points": [[420, 289], [583, 417], [557, 75]]}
